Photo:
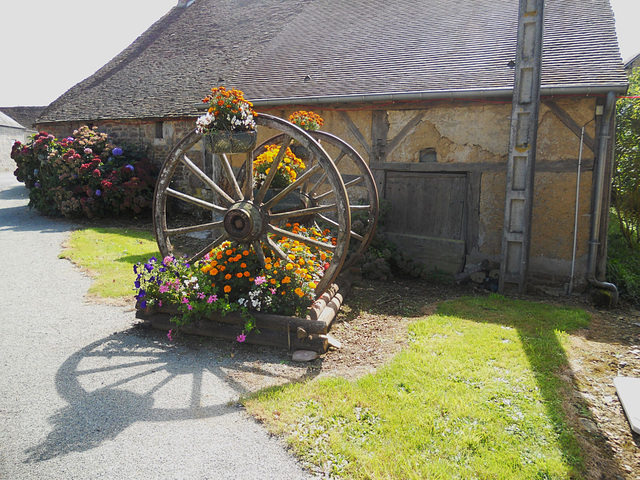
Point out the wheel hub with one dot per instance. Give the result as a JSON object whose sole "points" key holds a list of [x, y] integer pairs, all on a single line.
{"points": [[243, 222]]}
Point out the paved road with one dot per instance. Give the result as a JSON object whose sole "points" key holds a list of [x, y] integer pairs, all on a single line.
{"points": [[84, 395]]}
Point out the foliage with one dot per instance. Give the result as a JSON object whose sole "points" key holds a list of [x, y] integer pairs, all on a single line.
{"points": [[626, 179], [108, 254], [287, 172], [476, 395], [230, 278], [306, 120], [623, 263], [228, 110], [83, 175]]}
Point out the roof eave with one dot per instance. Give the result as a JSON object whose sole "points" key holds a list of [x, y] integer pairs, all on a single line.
{"points": [[462, 94]]}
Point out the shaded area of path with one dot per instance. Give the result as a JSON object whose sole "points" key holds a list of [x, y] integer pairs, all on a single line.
{"points": [[84, 395]]}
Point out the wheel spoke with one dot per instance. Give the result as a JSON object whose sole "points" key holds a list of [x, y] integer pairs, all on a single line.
{"points": [[257, 247], [275, 248], [302, 211], [335, 224], [216, 243], [195, 228], [354, 182], [273, 169], [324, 175], [324, 195], [195, 201], [300, 238], [247, 192], [290, 188], [226, 165], [359, 207], [207, 181]]}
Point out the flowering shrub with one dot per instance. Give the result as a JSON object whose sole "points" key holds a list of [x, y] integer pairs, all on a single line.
{"points": [[230, 278], [228, 110], [287, 172], [83, 175], [306, 120]]}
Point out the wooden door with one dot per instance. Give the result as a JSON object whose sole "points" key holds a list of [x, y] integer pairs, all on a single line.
{"points": [[427, 218]]}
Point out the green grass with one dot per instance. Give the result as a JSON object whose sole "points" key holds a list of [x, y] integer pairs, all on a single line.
{"points": [[109, 254], [475, 396]]}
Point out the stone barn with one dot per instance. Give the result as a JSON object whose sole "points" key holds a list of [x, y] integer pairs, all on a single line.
{"points": [[423, 90]]}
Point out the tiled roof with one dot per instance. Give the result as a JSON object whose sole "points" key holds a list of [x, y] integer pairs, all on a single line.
{"points": [[23, 115], [309, 49]]}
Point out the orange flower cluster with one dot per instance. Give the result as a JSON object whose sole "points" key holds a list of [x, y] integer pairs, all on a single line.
{"points": [[306, 120]]}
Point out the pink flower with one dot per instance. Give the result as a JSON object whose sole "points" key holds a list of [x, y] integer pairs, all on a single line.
{"points": [[185, 300], [170, 335], [241, 338], [260, 280], [167, 260], [273, 291], [190, 307], [159, 303], [212, 298], [200, 296], [164, 288]]}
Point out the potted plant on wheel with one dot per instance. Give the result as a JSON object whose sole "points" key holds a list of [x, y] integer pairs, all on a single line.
{"points": [[229, 125]]}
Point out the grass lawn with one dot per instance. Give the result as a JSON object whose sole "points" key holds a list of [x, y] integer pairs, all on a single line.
{"points": [[474, 397], [109, 255]]}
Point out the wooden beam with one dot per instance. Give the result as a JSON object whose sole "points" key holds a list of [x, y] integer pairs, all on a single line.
{"points": [[356, 132], [404, 132], [570, 123]]}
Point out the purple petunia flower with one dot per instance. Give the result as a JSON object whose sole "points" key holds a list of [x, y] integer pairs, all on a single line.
{"points": [[142, 293], [149, 267], [143, 304], [135, 268], [137, 284], [98, 193]]}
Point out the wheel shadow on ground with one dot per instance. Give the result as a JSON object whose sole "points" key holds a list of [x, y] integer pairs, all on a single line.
{"points": [[139, 376]]}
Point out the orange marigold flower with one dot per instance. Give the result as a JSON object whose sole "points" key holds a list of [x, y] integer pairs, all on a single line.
{"points": [[299, 292], [228, 276], [227, 289], [273, 281], [213, 271], [239, 274], [286, 280], [289, 266], [247, 274], [243, 265], [245, 253]]}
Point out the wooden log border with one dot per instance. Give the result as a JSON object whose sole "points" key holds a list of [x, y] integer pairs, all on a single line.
{"points": [[292, 333]]}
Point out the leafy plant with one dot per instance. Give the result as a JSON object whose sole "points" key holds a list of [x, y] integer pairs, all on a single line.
{"points": [[228, 110], [83, 175], [306, 120], [287, 172], [626, 180], [623, 263], [230, 278]]}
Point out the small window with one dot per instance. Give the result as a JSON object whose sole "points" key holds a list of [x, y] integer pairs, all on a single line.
{"points": [[428, 155], [159, 129]]}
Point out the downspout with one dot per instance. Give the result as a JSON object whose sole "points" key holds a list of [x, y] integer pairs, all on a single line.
{"points": [[603, 147]]}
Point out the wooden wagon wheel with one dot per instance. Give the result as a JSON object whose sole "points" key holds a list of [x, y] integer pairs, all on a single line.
{"points": [[224, 207], [359, 183]]}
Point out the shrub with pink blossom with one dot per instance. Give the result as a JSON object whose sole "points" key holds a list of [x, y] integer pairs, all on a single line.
{"points": [[83, 175]]}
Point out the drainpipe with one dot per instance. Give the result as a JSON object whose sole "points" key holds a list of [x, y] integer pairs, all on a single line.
{"points": [[603, 147]]}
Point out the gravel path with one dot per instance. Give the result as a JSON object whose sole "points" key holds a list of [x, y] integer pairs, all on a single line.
{"points": [[84, 395]]}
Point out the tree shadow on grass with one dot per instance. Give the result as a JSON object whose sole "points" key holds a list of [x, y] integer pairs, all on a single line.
{"points": [[539, 326]]}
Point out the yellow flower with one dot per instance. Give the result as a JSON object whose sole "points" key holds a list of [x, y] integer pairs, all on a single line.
{"points": [[312, 285], [289, 266]]}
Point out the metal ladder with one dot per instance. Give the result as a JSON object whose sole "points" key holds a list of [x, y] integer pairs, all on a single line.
{"points": [[522, 148]]}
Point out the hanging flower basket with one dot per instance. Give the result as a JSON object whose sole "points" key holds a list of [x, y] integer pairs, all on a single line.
{"points": [[224, 141]]}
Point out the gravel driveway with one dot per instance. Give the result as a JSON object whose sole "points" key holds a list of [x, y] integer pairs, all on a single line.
{"points": [[85, 395]]}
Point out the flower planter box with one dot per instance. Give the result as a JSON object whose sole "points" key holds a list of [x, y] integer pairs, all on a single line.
{"points": [[293, 333]]}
